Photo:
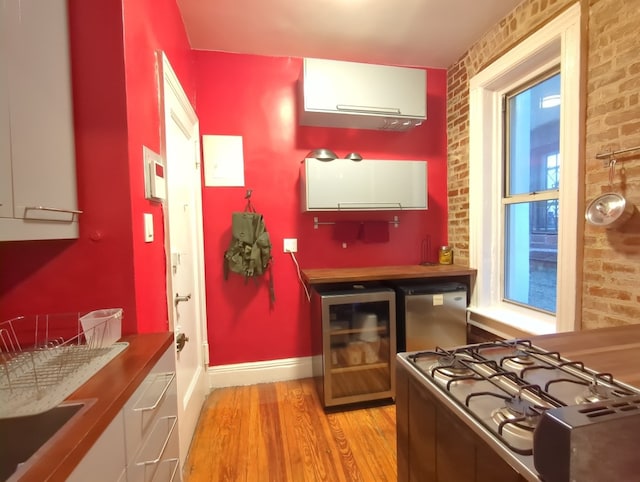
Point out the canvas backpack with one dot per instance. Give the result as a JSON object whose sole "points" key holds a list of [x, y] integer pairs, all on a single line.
{"points": [[249, 252]]}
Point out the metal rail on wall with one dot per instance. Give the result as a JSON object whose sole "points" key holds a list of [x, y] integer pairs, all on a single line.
{"points": [[609, 155], [395, 223]]}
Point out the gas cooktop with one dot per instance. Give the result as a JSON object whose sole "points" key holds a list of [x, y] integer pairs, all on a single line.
{"points": [[506, 390]]}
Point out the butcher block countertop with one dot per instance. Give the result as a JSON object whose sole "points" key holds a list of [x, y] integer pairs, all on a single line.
{"points": [[111, 387], [609, 350], [380, 273]]}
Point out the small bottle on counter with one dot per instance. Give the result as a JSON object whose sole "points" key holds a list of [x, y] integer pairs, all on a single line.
{"points": [[445, 255]]}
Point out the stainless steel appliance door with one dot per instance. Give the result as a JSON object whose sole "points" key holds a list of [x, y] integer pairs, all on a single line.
{"points": [[437, 319]]}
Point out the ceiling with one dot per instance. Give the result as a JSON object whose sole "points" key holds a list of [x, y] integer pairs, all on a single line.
{"points": [[424, 33]]}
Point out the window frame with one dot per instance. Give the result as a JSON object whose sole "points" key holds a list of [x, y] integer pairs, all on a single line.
{"points": [[556, 43], [530, 198]]}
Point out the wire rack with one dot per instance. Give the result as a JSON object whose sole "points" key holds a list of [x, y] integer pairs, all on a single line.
{"points": [[45, 358]]}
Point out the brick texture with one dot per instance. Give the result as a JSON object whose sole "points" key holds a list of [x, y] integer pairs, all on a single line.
{"points": [[610, 259]]}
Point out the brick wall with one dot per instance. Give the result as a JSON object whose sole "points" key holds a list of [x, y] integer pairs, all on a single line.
{"points": [[611, 258]]}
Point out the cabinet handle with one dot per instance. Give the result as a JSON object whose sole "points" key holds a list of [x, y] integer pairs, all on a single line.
{"points": [[368, 109], [176, 464], [170, 376], [73, 212], [166, 442], [346, 205]]}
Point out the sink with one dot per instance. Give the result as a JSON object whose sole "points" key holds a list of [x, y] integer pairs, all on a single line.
{"points": [[22, 437]]}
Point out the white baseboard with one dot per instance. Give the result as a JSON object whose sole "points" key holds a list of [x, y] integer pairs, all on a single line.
{"points": [[239, 374]]}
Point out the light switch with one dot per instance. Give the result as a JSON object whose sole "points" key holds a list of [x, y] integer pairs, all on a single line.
{"points": [[148, 227]]}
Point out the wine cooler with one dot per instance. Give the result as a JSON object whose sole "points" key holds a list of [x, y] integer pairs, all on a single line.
{"points": [[354, 330]]}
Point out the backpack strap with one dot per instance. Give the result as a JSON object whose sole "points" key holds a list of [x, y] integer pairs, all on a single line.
{"points": [[272, 292]]}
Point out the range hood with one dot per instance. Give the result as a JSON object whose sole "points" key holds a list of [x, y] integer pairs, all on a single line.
{"points": [[354, 95]]}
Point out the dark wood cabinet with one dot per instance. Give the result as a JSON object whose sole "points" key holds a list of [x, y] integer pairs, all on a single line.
{"points": [[455, 460], [491, 468], [478, 335], [434, 446], [422, 420]]}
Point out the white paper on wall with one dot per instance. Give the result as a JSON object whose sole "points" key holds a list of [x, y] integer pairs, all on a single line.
{"points": [[223, 160]]}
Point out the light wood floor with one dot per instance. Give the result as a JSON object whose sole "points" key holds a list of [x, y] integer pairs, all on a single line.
{"points": [[278, 432]]}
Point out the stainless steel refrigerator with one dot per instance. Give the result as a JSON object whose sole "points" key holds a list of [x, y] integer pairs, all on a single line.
{"points": [[431, 315]]}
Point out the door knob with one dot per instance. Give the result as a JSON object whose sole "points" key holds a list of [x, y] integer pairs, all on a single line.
{"points": [[181, 340], [179, 298]]}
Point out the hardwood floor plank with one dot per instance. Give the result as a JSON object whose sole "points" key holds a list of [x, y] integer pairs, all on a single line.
{"points": [[271, 457], [310, 434], [279, 432], [366, 429]]}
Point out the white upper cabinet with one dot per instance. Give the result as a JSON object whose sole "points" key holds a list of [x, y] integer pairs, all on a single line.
{"points": [[367, 185], [362, 96], [37, 165], [6, 190]]}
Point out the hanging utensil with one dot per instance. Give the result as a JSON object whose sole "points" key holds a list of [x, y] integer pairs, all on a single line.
{"points": [[609, 210]]}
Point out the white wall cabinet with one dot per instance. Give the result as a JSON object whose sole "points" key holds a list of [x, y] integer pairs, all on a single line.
{"points": [[367, 185], [38, 194], [141, 443], [366, 96]]}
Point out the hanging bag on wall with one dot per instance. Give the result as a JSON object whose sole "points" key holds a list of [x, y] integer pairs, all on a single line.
{"points": [[249, 252]]}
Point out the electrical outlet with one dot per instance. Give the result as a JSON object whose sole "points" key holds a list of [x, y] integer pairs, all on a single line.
{"points": [[290, 245]]}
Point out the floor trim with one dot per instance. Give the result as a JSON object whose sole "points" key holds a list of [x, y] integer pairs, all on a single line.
{"points": [[240, 374]]}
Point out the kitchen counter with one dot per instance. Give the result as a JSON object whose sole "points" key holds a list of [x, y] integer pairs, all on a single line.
{"points": [[109, 389], [380, 273], [613, 350]]}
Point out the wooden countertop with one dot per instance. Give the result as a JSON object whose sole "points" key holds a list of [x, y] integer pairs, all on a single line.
{"points": [[379, 273], [109, 389], [613, 350]]}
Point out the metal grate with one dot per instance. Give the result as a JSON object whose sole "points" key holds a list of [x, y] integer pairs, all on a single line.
{"points": [[45, 358]]}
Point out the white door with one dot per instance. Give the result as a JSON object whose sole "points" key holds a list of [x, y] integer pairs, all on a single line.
{"points": [[185, 253]]}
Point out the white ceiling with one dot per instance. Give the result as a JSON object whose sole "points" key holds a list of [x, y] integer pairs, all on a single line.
{"points": [[425, 33]]}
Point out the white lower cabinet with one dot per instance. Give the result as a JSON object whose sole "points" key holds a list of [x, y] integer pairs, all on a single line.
{"points": [[105, 461], [151, 426], [141, 443]]}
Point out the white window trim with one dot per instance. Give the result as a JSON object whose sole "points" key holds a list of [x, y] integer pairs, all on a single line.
{"points": [[558, 42]]}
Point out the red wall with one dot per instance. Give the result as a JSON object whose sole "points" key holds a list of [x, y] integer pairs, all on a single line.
{"points": [[116, 112], [255, 97], [150, 25]]}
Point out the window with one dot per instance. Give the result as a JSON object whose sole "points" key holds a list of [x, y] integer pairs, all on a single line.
{"points": [[524, 171], [531, 191]]}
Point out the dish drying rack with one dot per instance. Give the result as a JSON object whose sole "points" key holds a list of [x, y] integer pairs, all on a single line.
{"points": [[45, 358]]}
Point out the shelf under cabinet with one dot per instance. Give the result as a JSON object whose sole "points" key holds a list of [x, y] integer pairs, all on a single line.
{"points": [[358, 382]]}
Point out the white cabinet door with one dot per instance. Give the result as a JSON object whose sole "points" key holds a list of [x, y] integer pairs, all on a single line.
{"points": [[343, 185], [401, 184], [331, 186], [105, 460], [351, 86], [40, 121], [6, 194], [151, 425]]}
